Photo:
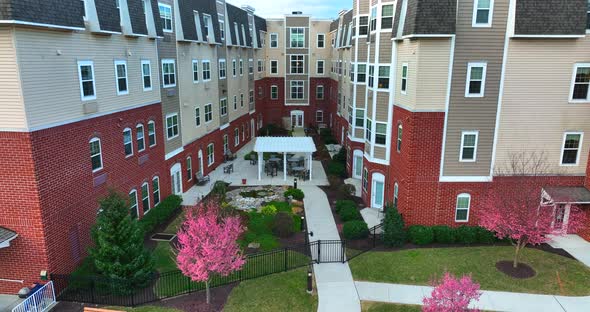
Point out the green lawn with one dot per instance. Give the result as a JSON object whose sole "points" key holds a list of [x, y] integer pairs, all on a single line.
{"points": [[277, 292], [144, 309], [370, 306], [556, 275]]}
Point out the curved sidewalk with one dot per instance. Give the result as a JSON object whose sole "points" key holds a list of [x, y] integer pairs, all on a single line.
{"points": [[336, 288], [489, 300]]}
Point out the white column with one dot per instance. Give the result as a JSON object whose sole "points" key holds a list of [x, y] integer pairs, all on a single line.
{"points": [[259, 166], [310, 165], [285, 166]]}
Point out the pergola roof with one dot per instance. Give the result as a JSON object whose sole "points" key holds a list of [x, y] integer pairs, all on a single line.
{"points": [[284, 145], [6, 236], [568, 194]]}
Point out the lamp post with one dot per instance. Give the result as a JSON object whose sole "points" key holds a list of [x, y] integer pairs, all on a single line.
{"points": [[309, 281], [295, 183]]}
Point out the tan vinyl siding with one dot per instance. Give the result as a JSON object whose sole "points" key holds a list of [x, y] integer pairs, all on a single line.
{"points": [[433, 72], [170, 98], [275, 53], [362, 50], [363, 7], [380, 152], [361, 91], [382, 109], [297, 21], [385, 45], [535, 107], [12, 111], [406, 53], [359, 133]]}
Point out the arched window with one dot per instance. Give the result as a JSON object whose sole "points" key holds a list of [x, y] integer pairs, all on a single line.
{"points": [[128, 141], [399, 137], [156, 190], [462, 207], [152, 133], [140, 138], [145, 197], [395, 194], [95, 154], [133, 207], [189, 168]]}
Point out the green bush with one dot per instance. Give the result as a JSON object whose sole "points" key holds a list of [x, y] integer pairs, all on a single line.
{"points": [[341, 156], [337, 169], [325, 132], [344, 203], [485, 237], [260, 223], [394, 234], [247, 156], [421, 235], [283, 224], [349, 213], [160, 214], [444, 234], [330, 140], [267, 241], [269, 210], [467, 234], [220, 189], [281, 206], [355, 229], [296, 193]]}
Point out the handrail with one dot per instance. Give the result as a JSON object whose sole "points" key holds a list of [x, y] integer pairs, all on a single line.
{"points": [[40, 301]]}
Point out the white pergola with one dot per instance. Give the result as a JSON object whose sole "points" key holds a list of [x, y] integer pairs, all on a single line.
{"points": [[284, 145]]}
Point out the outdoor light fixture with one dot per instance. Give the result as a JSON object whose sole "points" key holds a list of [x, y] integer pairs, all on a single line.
{"points": [[302, 224], [295, 183], [309, 281]]}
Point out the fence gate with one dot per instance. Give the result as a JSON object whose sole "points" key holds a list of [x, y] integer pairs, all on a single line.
{"points": [[328, 251]]}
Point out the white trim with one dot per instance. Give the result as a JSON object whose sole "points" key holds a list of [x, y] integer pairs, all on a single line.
{"points": [[17, 22], [174, 153], [91, 64], [142, 137], [130, 142], [465, 179], [270, 40], [573, 84], [468, 207], [208, 62], [291, 36], [205, 112], [447, 104], [565, 134], [404, 91], [425, 36], [463, 134], [173, 62], [470, 66], [189, 167], [550, 36], [224, 69], [155, 136], [410, 109], [377, 177], [156, 178], [149, 64], [97, 139], [323, 67], [171, 17], [270, 67], [210, 163], [148, 193], [318, 39], [490, 15], [177, 126], [195, 62], [234, 68], [124, 63], [221, 106], [134, 191]]}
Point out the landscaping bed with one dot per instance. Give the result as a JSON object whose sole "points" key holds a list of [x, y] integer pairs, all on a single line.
{"points": [[370, 306]]}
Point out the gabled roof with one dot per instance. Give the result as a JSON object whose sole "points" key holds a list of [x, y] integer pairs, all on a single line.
{"points": [[568, 194], [6, 236], [239, 16], [284, 145]]}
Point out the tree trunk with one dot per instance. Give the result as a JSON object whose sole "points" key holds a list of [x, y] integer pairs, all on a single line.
{"points": [[517, 250], [208, 292]]}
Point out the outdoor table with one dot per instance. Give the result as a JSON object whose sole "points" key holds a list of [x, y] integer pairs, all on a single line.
{"points": [[274, 159]]}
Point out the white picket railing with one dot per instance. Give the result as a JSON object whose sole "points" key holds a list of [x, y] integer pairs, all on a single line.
{"points": [[40, 301]]}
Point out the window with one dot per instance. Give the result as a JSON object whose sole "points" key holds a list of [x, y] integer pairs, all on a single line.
{"points": [[86, 76], [222, 69], [210, 154], [395, 194], [189, 168], [383, 80], [121, 76], [243, 133], [133, 208], [95, 154], [234, 67], [373, 25], [297, 89], [241, 67], [399, 137], [320, 67], [297, 37], [151, 133], [140, 138], [462, 208], [380, 133], [580, 91], [168, 73], [361, 74], [128, 142], [166, 16], [260, 65], [251, 97], [223, 106], [225, 144], [236, 137], [172, 126], [197, 117], [319, 92], [206, 71], [476, 79], [156, 190], [319, 116], [145, 197], [274, 40], [235, 102], [482, 13], [368, 130], [371, 75], [274, 92], [241, 99], [360, 118], [146, 74], [195, 71], [321, 41], [274, 67], [570, 153], [206, 20], [365, 179], [297, 64], [468, 146], [208, 112], [404, 88], [363, 25], [588, 16], [387, 16], [250, 66], [350, 116], [221, 26]]}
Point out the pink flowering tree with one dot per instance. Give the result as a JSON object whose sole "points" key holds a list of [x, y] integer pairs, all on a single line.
{"points": [[452, 295], [207, 244]]}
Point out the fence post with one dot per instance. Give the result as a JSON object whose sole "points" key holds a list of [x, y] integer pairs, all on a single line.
{"points": [[133, 300], [285, 251], [343, 250], [92, 290], [374, 231], [319, 251], [188, 282]]}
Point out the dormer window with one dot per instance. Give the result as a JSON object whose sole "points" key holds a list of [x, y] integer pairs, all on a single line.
{"points": [[482, 13], [165, 16], [206, 20]]}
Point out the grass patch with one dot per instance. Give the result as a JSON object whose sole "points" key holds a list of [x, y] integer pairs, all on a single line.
{"points": [[164, 257], [370, 306], [277, 292], [144, 309], [556, 275]]}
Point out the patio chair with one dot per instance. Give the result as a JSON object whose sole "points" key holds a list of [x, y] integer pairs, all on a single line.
{"points": [[202, 180], [253, 159]]}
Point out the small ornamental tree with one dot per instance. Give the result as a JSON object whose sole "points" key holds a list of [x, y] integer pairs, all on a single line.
{"points": [[207, 244], [452, 295], [394, 234]]}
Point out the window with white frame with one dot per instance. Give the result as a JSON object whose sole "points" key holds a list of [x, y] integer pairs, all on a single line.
{"points": [[168, 73], [165, 17], [580, 89], [365, 179], [360, 118], [468, 146], [221, 26], [399, 137], [371, 75], [206, 21], [156, 190], [225, 144], [121, 77], [462, 208], [404, 86], [482, 13], [140, 138], [476, 80], [319, 92], [210, 154], [274, 92], [195, 71], [395, 194], [223, 106], [208, 112], [373, 24], [234, 67], [235, 102], [297, 91], [251, 97], [274, 67], [241, 67], [87, 84], [350, 116], [206, 71], [145, 197], [260, 65], [222, 69], [189, 168], [172, 126], [297, 37], [380, 133], [319, 116], [368, 130], [363, 25], [95, 154], [387, 16], [241, 99], [151, 133], [570, 152], [297, 64], [197, 117], [361, 73], [321, 41], [383, 80], [128, 141], [320, 67], [133, 207], [274, 40], [236, 136], [146, 75]]}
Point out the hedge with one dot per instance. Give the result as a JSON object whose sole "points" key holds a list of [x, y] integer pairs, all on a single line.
{"points": [[337, 169], [344, 203], [466, 234], [349, 213], [160, 214], [444, 234], [421, 235], [355, 229], [296, 193]]}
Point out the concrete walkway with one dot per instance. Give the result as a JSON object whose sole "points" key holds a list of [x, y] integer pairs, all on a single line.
{"points": [[336, 289], [489, 300], [575, 246]]}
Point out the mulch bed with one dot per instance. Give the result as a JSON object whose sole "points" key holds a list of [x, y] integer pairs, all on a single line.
{"points": [[521, 271]]}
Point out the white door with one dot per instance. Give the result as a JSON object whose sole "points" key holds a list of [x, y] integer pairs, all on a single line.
{"points": [[252, 131], [176, 178], [357, 164], [378, 191], [297, 119], [201, 162], [225, 145]]}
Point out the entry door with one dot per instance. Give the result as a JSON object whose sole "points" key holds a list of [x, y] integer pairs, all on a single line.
{"points": [[561, 216], [378, 191], [252, 130], [225, 145], [357, 165], [200, 162], [297, 119], [176, 178]]}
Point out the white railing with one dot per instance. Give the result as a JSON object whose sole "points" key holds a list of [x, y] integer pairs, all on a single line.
{"points": [[40, 301]]}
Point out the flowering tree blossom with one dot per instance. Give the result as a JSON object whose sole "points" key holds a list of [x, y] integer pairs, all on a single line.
{"points": [[452, 295], [207, 244]]}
